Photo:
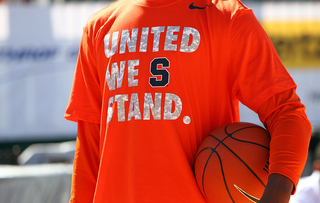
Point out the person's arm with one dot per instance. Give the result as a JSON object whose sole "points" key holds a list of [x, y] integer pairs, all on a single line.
{"points": [[86, 163], [284, 117], [278, 189]]}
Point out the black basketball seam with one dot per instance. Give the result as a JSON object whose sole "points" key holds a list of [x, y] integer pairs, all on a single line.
{"points": [[257, 144], [213, 150], [241, 161], [224, 179], [204, 169], [225, 129], [254, 143], [230, 135]]}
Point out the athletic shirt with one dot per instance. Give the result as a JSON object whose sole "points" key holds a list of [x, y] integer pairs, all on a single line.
{"points": [[159, 76]]}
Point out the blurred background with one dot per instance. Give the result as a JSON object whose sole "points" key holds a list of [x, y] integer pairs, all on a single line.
{"points": [[39, 41]]}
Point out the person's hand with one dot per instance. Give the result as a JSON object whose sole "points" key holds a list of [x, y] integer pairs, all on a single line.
{"points": [[278, 189]]}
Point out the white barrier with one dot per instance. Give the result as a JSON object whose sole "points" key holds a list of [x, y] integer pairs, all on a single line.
{"points": [[50, 183], [38, 51]]}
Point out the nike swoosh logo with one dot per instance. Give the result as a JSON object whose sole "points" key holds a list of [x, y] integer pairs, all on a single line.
{"points": [[191, 6], [250, 197]]}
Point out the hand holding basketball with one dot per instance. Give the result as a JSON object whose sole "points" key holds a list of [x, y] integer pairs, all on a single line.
{"points": [[232, 163]]}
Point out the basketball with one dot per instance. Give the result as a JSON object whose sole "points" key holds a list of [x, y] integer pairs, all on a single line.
{"points": [[232, 163]]}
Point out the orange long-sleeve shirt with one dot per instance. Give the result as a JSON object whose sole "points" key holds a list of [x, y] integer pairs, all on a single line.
{"points": [[148, 88]]}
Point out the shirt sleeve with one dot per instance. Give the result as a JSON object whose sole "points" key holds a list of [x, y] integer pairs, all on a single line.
{"points": [[85, 99], [257, 70], [86, 163], [263, 84], [284, 116]]}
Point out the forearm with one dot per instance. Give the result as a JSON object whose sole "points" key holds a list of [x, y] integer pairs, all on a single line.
{"points": [[290, 139], [286, 161], [86, 163], [278, 189], [290, 130]]}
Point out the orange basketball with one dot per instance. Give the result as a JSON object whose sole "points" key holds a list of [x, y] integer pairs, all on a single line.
{"points": [[232, 163]]}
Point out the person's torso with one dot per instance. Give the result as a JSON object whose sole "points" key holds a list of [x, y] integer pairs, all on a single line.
{"points": [[166, 81]]}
